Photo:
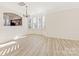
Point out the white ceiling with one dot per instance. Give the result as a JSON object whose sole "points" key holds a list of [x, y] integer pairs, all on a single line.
{"points": [[39, 7]]}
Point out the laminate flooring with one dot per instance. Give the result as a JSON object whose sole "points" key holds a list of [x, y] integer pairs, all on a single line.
{"points": [[39, 45]]}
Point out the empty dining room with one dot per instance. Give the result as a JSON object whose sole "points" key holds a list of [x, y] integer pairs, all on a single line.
{"points": [[39, 28]]}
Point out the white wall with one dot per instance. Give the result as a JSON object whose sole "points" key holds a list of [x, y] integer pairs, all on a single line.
{"points": [[63, 24], [8, 32]]}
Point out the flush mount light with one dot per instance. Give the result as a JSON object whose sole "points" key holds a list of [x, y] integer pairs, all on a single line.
{"points": [[21, 4]]}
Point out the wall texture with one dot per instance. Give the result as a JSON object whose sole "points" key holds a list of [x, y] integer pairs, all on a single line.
{"points": [[63, 24]]}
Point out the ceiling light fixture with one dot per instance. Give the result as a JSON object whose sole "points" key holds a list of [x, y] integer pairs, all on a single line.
{"points": [[23, 4], [34, 22]]}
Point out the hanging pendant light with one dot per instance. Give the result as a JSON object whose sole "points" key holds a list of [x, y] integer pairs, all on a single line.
{"points": [[23, 4], [34, 22]]}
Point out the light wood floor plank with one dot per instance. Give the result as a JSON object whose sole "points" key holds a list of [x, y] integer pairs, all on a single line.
{"points": [[39, 45]]}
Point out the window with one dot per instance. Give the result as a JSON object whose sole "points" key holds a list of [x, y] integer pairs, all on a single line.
{"points": [[36, 22], [11, 19]]}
